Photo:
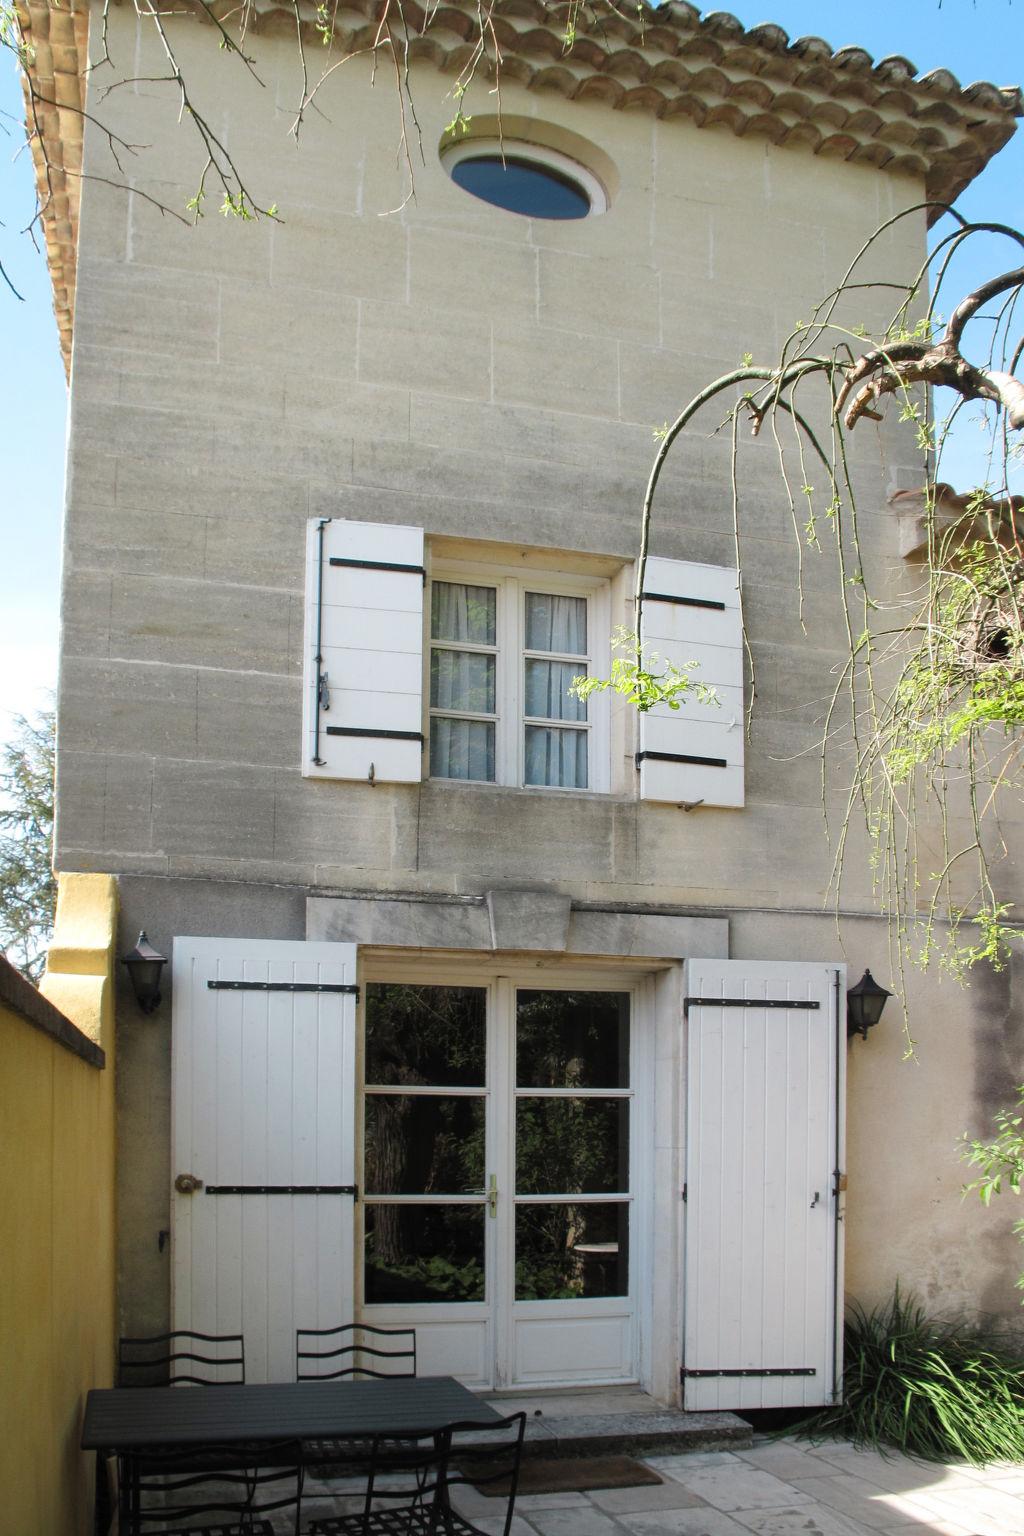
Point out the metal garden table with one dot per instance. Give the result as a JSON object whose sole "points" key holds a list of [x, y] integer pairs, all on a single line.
{"points": [[119, 1420]]}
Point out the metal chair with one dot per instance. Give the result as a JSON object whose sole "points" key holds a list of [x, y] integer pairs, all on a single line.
{"points": [[202, 1359], [318, 1352], [223, 1492], [318, 1349], [410, 1481]]}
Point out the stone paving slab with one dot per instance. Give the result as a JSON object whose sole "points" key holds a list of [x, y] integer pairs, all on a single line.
{"points": [[755, 1491]]}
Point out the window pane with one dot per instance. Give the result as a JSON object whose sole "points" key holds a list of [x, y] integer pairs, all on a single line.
{"points": [[461, 749], [461, 612], [463, 680], [547, 690], [557, 758], [522, 186], [417, 1253], [572, 1039], [556, 624], [572, 1146], [428, 1035], [423, 1146], [564, 1251]]}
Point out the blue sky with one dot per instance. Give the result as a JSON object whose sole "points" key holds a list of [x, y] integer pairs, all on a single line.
{"points": [[983, 40]]}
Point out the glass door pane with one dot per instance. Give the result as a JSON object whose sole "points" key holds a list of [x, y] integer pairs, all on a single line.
{"points": [[424, 1144], [571, 1127]]}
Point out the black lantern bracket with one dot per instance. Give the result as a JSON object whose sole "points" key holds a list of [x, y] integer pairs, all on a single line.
{"points": [[145, 965], [864, 1004]]}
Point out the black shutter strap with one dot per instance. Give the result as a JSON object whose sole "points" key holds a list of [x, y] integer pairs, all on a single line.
{"points": [[768, 1370], [381, 565], [683, 602], [676, 757], [283, 1189], [283, 986], [748, 1002]]}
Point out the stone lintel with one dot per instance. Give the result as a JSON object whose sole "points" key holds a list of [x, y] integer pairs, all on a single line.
{"points": [[531, 921]]}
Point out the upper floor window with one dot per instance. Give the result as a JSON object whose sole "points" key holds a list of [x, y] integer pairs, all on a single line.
{"points": [[503, 653], [525, 178], [421, 661]]}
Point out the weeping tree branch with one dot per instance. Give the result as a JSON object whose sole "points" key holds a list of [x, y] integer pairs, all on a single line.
{"points": [[953, 669]]}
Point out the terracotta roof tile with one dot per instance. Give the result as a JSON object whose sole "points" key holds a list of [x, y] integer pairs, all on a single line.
{"points": [[669, 61]]}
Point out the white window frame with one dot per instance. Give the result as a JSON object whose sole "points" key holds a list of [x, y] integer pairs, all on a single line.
{"points": [[511, 585]]}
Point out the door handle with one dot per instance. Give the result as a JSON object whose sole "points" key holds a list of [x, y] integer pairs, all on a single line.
{"points": [[817, 1197], [187, 1183], [492, 1195]]}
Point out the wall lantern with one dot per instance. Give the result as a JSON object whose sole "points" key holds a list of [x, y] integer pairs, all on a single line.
{"points": [[864, 1004], [144, 966]]}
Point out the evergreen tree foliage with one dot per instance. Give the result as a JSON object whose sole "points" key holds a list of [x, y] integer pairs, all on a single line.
{"points": [[28, 887]]}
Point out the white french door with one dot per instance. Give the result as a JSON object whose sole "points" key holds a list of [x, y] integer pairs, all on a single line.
{"points": [[499, 1185]]}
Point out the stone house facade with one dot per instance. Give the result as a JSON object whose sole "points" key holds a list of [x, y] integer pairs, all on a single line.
{"points": [[364, 777]]}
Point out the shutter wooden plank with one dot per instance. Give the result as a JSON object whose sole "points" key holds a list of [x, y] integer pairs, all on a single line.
{"points": [[371, 648], [762, 1138], [688, 633], [263, 1093]]}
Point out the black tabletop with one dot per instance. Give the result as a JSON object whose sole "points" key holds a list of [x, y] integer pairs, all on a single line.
{"points": [[118, 1418]]}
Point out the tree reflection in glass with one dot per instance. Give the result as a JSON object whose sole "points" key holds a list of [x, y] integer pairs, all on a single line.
{"points": [[568, 1251], [419, 1145], [423, 1145], [423, 1253], [572, 1040], [572, 1146], [428, 1035]]}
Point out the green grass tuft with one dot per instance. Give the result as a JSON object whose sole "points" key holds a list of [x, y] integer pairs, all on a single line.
{"points": [[938, 1390]]}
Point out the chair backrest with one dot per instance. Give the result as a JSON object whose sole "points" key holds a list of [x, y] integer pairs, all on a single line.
{"points": [[210, 1487], [354, 1349], [409, 1478], [405, 1476], [202, 1359], [488, 1457]]}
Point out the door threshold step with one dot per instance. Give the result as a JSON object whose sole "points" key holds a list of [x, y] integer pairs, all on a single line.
{"points": [[664, 1432]]}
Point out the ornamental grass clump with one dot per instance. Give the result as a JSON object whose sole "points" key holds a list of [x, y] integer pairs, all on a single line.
{"points": [[933, 1389]]}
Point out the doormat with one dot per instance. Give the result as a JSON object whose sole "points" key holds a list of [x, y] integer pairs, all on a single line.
{"points": [[572, 1474]]}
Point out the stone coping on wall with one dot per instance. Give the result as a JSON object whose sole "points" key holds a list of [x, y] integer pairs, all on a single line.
{"points": [[23, 999], [671, 62]]}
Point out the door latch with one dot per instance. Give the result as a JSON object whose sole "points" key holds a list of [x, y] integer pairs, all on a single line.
{"points": [[187, 1183]]}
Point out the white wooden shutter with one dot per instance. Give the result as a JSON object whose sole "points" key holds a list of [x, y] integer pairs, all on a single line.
{"points": [[691, 613], [263, 1102], [363, 702], [764, 1150]]}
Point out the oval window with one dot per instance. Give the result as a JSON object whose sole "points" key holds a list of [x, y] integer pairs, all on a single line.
{"points": [[525, 178]]}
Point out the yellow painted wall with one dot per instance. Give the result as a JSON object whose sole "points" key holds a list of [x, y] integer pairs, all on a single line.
{"points": [[57, 1234]]}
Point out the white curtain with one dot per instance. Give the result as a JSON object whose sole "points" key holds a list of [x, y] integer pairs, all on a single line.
{"points": [[461, 749], [460, 612], [547, 690], [557, 624], [557, 758], [462, 681]]}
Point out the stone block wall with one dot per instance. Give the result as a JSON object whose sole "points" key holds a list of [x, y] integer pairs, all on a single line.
{"points": [[445, 364]]}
